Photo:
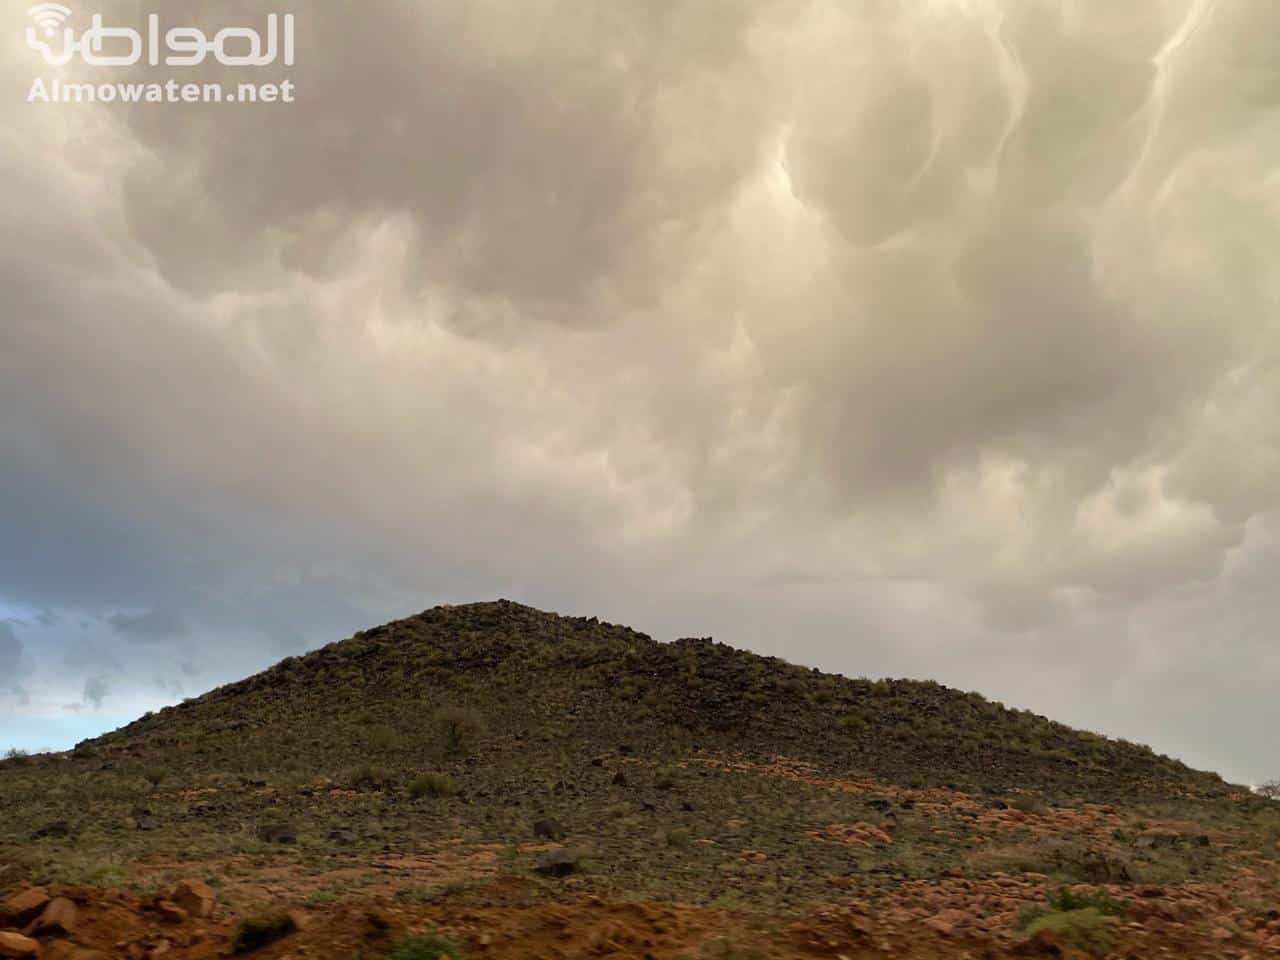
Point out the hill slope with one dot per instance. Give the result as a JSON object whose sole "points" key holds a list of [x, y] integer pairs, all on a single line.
{"points": [[592, 686], [427, 765]]}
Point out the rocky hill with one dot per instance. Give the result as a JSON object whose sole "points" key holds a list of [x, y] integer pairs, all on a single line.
{"points": [[477, 768], [523, 675]]}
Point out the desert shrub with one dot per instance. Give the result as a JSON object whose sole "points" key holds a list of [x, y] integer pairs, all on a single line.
{"points": [[722, 949], [1088, 928], [1067, 900], [254, 933], [1029, 803], [665, 778], [427, 946], [678, 838], [81, 869], [17, 758], [458, 727], [1084, 918], [432, 785], [1270, 790], [383, 737], [365, 777], [155, 775]]}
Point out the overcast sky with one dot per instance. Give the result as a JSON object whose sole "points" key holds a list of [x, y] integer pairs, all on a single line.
{"points": [[928, 338]]}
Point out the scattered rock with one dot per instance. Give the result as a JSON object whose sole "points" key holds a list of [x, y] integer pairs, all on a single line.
{"points": [[65, 950], [947, 921], [1156, 839], [18, 947], [278, 833], [59, 828], [548, 829], [1045, 943], [342, 836], [619, 779], [57, 919], [195, 897], [21, 908], [171, 913], [559, 862]]}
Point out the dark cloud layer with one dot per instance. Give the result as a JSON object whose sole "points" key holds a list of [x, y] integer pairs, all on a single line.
{"points": [[931, 338]]}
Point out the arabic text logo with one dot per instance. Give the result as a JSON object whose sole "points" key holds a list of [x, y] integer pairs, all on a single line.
{"points": [[49, 16], [103, 46]]}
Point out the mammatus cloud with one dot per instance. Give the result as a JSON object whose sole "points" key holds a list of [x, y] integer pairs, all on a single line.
{"points": [[95, 691], [13, 665], [929, 338], [155, 624]]}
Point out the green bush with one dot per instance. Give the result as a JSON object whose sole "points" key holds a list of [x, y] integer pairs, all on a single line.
{"points": [[1088, 928], [427, 946], [365, 777], [678, 838], [432, 785], [1084, 918]]}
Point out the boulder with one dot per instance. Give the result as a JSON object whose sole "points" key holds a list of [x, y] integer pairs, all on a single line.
{"points": [[549, 829], [14, 946], [559, 862], [195, 897], [278, 833], [23, 907], [171, 913], [58, 919]]}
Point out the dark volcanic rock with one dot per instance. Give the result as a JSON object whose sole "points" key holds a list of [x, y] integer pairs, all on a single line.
{"points": [[559, 862]]}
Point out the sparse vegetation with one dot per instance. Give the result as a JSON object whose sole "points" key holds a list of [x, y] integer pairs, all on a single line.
{"points": [[432, 785], [426, 947], [366, 777], [687, 772]]}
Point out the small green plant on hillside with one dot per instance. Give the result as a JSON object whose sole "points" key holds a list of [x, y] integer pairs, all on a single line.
{"points": [[365, 777], [433, 785], [17, 758], [678, 838], [458, 728], [428, 946], [1081, 917], [1030, 803], [1086, 928], [384, 737]]}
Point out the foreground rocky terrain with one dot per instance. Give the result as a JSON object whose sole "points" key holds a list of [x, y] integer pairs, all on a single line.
{"points": [[494, 781]]}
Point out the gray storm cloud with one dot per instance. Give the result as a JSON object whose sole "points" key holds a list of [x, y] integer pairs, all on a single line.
{"points": [[931, 338]]}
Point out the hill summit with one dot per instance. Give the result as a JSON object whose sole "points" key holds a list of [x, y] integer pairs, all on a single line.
{"points": [[523, 675], [511, 676]]}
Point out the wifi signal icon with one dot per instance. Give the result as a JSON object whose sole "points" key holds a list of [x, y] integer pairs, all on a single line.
{"points": [[49, 16]]}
